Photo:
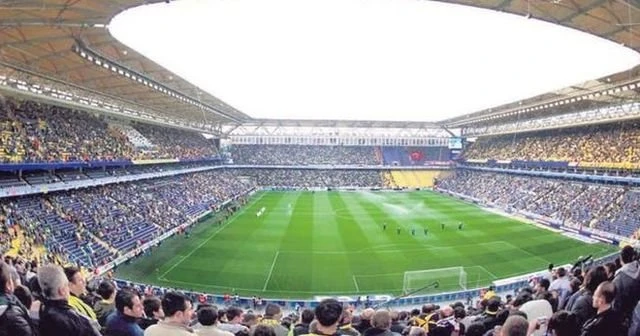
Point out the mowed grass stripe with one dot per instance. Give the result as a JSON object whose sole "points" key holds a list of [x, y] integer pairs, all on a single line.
{"points": [[329, 238]]}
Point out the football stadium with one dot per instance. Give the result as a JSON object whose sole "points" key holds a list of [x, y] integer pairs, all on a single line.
{"points": [[257, 168]]}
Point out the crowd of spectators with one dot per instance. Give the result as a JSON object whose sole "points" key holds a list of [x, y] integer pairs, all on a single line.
{"points": [[610, 208], [303, 155], [92, 225], [36, 132], [587, 300], [601, 144], [308, 178]]}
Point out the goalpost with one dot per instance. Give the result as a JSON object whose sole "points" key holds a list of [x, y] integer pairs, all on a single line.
{"points": [[453, 278]]}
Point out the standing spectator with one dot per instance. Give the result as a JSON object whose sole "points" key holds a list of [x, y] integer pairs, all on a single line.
{"points": [[345, 326], [583, 306], [106, 305], [58, 317], [264, 330], [381, 324], [302, 328], [178, 311], [272, 315], [365, 320], [563, 323], [78, 287], [627, 284], [208, 319], [14, 316], [152, 311], [607, 321], [562, 284], [129, 308], [328, 313], [515, 326], [234, 322]]}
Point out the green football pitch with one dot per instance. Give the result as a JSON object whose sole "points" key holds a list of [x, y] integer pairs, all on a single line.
{"points": [[331, 243]]}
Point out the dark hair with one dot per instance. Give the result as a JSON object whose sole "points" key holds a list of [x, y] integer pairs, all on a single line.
{"points": [[70, 271], [575, 285], [264, 330], [307, 316], [608, 291], [476, 329], [151, 304], [611, 267], [124, 298], [173, 302], [271, 310], [5, 276], [561, 272], [550, 267], [595, 277], [564, 324], [233, 312], [544, 283], [24, 295], [105, 289], [207, 316], [627, 254], [522, 298], [328, 312], [221, 313]]}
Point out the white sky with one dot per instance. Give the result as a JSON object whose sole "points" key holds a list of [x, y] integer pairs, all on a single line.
{"points": [[363, 59]]}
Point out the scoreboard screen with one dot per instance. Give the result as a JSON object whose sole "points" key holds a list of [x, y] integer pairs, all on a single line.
{"points": [[455, 143]]}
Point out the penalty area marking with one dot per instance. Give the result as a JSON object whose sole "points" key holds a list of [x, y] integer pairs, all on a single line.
{"points": [[355, 282], [164, 275]]}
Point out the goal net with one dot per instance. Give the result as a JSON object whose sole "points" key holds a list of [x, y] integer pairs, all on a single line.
{"points": [[451, 278]]}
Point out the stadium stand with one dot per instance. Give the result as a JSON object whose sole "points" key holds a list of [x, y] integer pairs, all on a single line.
{"points": [[307, 178], [303, 155], [89, 225], [35, 132], [612, 146], [411, 178], [414, 156]]}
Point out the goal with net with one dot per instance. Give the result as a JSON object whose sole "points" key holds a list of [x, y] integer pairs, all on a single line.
{"points": [[450, 278]]}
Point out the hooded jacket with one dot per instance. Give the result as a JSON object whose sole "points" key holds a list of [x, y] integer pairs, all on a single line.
{"points": [[14, 317], [627, 284]]}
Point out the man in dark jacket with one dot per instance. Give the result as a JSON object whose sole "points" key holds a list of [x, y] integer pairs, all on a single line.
{"points": [[627, 284], [607, 321], [57, 317], [583, 305], [152, 311], [302, 328], [122, 322], [380, 324], [345, 327], [14, 317], [365, 320]]}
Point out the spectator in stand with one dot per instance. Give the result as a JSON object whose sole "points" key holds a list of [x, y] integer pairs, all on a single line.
{"points": [[263, 330], [14, 316], [129, 308], [208, 319], [178, 312], [272, 316], [328, 313], [153, 312], [365, 320], [398, 322], [234, 325], [515, 326], [345, 327], [627, 284], [607, 321], [563, 323], [77, 289], [582, 306], [380, 324], [106, 305], [58, 317], [302, 328]]}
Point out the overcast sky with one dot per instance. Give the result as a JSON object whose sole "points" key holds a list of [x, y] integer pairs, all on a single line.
{"points": [[363, 59]]}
